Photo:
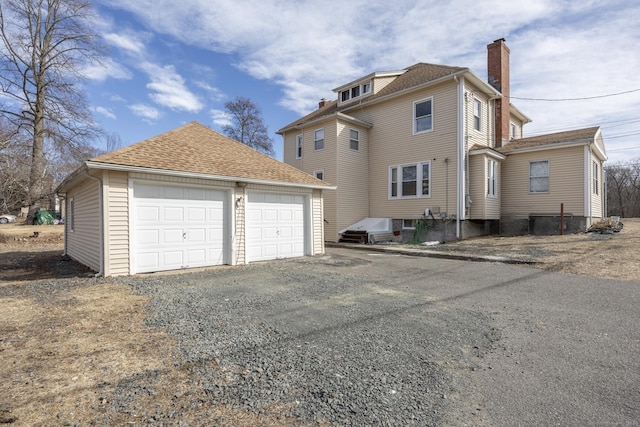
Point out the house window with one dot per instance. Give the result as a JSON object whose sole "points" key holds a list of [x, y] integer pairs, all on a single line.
{"points": [[477, 114], [71, 215], [319, 174], [491, 177], [512, 134], [539, 177], [422, 115], [410, 180], [318, 139], [355, 91], [596, 177], [344, 95], [354, 139], [366, 88], [408, 224], [298, 146]]}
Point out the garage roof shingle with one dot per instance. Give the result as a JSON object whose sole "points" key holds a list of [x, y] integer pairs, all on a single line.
{"points": [[195, 148]]}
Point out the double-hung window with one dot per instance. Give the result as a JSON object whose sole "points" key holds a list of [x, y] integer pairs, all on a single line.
{"points": [[298, 146], [477, 114], [319, 174], [596, 178], [354, 139], [318, 139], [410, 180], [491, 177], [423, 116], [539, 177]]}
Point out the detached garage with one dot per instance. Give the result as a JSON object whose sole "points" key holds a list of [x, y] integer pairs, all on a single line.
{"points": [[189, 198]]}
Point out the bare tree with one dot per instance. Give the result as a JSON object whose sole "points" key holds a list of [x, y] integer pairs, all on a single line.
{"points": [[623, 188], [43, 46], [247, 125]]}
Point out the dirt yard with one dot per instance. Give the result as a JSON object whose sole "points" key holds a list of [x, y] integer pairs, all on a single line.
{"points": [[67, 346]]}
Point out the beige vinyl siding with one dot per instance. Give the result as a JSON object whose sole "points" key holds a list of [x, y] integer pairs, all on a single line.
{"points": [[482, 137], [116, 233], [392, 142], [181, 180], [566, 183], [380, 83], [323, 160], [483, 206], [83, 242], [353, 177], [289, 148]]}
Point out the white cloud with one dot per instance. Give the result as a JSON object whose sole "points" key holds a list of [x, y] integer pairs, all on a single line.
{"points": [[220, 118], [168, 88], [127, 41], [145, 111], [106, 68], [105, 112]]}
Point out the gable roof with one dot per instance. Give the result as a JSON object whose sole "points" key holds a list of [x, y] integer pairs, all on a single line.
{"points": [[196, 150], [414, 76], [552, 140]]}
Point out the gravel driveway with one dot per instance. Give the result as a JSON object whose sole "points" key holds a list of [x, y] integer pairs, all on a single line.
{"points": [[367, 339]]}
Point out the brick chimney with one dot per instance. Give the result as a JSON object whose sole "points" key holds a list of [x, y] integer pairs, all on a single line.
{"points": [[322, 103], [498, 76]]}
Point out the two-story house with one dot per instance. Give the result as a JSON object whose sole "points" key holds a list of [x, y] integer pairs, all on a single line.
{"points": [[438, 148]]}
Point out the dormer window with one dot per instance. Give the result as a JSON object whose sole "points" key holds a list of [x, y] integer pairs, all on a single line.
{"points": [[355, 92]]}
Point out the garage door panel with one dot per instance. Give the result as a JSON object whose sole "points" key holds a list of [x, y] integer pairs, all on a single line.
{"points": [[148, 213], [175, 214], [177, 227], [171, 236]]}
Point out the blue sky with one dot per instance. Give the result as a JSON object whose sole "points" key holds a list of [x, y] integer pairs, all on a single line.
{"points": [[172, 62]]}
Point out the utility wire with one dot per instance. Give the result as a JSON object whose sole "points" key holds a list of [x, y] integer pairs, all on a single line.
{"points": [[575, 99]]}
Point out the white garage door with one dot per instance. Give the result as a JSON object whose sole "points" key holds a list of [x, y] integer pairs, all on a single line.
{"points": [[274, 226], [177, 227]]}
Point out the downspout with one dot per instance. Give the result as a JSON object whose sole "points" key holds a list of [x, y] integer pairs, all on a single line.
{"points": [[460, 158], [100, 220]]}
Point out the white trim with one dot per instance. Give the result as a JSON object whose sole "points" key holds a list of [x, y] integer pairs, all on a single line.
{"points": [[548, 176], [587, 183], [126, 168], [480, 114], [399, 181], [357, 139], [489, 152]]}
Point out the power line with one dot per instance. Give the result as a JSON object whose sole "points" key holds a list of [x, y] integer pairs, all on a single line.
{"points": [[575, 99]]}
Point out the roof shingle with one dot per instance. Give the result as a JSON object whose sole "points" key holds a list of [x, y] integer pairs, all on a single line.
{"points": [[578, 135], [196, 148]]}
